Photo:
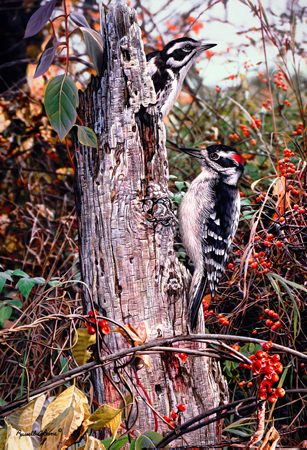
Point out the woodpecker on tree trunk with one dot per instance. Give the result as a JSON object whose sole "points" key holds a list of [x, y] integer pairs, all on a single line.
{"points": [[208, 218], [169, 67]]}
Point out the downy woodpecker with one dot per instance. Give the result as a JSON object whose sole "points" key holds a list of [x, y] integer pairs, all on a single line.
{"points": [[208, 218], [168, 69]]}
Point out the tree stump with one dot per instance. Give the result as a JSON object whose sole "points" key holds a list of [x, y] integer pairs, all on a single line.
{"points": [[126, 248]]}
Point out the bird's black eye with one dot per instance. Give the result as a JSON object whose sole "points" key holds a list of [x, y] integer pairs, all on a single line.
{"points": [[188, 47], [214, 156]]}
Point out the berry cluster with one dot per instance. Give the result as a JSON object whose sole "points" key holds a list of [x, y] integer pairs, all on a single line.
{"points": [[103, 324], [265, 104], [244, 129], [299, 129], [271, 367], [269, 322], [174, 415], [255, 123], [285, 166], [259, 258], [279, 80]]}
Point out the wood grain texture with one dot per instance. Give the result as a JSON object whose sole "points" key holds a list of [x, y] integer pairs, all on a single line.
{"points": [[128, 262]]}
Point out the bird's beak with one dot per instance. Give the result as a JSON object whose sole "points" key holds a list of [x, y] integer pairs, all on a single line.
{"points": [[195, 152], [205, 46]]}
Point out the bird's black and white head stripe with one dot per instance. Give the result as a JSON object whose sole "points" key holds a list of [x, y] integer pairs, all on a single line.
{"points": [[169, 67]]}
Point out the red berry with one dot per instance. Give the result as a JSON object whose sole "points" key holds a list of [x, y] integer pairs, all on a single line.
{"points": [[274, 377], [236, 347], [269, 323], [174, 415], [278, 243], [172, 424], [167, 419], [275, 358], [183, 356], [249, 384], [91, 331], [230, 266], [269, 369], [266, 310], [272, 399], [278, 367], [260, 354], [280, 392], [256, 365], [181, 407], [267, 345]]}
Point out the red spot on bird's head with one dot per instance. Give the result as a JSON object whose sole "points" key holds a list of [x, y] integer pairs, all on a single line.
{"points": [[238, 158]]}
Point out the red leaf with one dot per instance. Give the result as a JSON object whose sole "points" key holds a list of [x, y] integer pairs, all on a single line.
{"points": [[39, 19]]}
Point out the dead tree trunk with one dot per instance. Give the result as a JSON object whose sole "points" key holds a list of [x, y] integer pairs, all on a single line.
{"points": [[126, 251]]}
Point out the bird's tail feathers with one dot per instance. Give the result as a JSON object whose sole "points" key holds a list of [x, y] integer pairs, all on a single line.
{"points": [[197, 289]]}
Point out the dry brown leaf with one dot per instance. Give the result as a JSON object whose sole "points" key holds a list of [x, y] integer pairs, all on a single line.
{"points": [[69, 398], [59, 432], [271, 439], [143, 331], [280, 192], [131, 336], [16, 440], [24, 418], [257, 435]]}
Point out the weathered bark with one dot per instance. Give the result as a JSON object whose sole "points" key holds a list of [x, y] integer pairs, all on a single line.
{"points": [[127, 261]]}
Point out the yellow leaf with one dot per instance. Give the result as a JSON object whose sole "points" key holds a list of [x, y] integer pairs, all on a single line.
{"points": [[59, 432], [105, 417], [3, 435], [23, 418], [65, 171], [92, 444], [69, 398], [16, 440], [81, 342]]}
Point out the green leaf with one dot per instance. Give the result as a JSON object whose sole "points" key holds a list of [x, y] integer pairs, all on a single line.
{"points": [[87, 136], [20, 273], [143, 442], [94, 46], [17, 303], [132, 445], [5, 314], [2, 282], [106, 442], [61, 100], [39, 280], [149, 439], [119, 443], [25, 286]]}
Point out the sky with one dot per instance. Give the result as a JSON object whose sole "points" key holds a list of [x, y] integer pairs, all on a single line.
{"points": [[236, 35]]}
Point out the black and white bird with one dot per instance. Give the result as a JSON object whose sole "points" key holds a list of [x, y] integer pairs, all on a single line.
{"points": [[169, 67], [208, 218]]}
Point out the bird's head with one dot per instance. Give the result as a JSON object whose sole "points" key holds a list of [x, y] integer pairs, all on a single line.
{"points": [[224, 160], [183, 52]]}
